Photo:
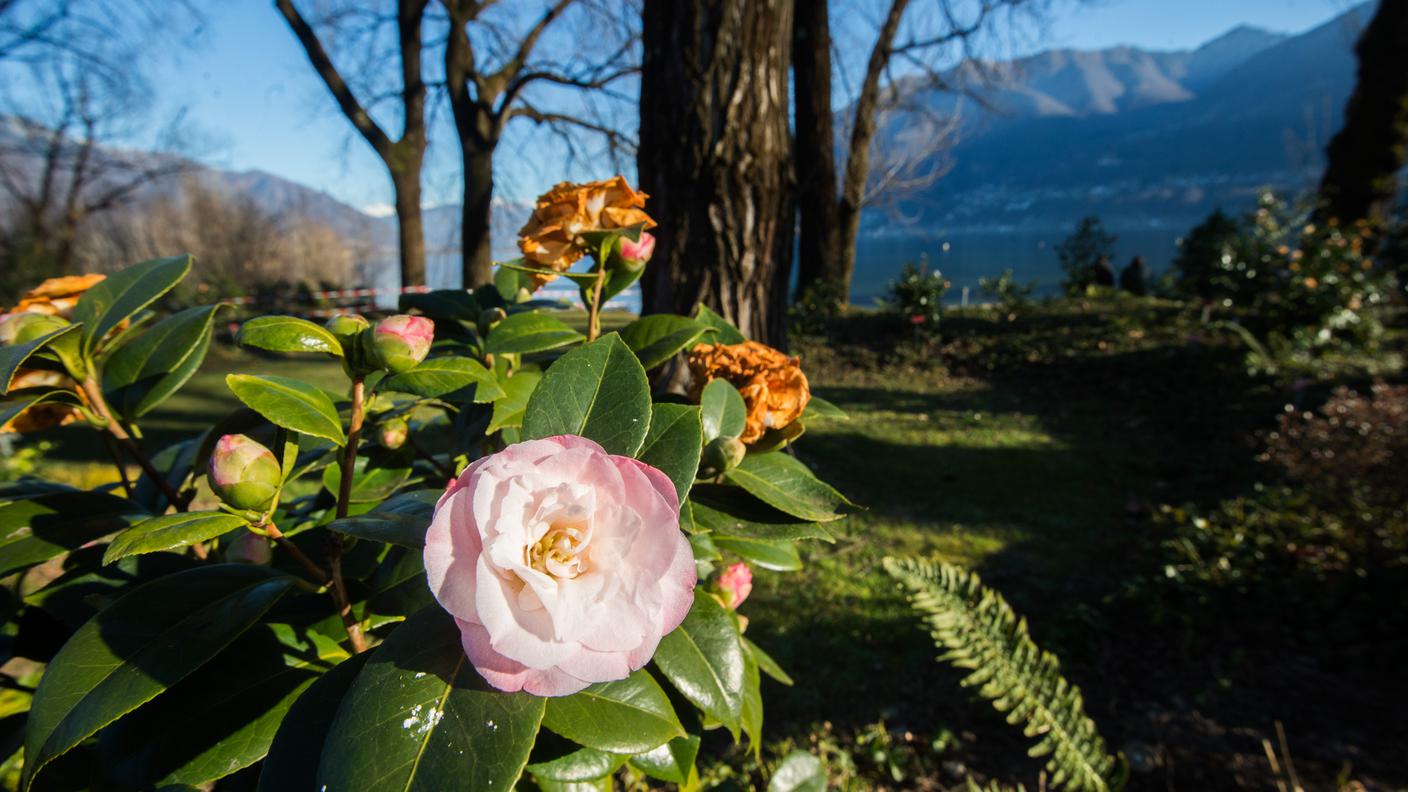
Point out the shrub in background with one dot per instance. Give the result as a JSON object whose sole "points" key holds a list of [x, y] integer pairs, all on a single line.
{"points": [[1085, 257], [1004, 289], [916, 297]]}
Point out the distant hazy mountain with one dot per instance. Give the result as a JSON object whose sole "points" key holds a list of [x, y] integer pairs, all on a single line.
{"points": [[1142, 138]]}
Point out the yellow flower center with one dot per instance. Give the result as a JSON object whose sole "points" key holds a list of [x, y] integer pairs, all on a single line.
{"points": [[561, 552]]}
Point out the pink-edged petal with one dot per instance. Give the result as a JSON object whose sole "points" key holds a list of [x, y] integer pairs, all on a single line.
{"points": [[451, 559], [657, 479]]}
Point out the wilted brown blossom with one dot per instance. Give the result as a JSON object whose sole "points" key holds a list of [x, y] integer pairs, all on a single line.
{"points": [[550, 238], [772, 384]]}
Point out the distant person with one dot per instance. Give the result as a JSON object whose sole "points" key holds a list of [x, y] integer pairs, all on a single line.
{"points": [[1103, 274], [1135, 277]]}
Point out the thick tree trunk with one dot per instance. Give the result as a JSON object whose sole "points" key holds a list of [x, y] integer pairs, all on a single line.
{"points": [[818, 259], [1365, 157], [715, 156], [477, 259], [411, 228]]}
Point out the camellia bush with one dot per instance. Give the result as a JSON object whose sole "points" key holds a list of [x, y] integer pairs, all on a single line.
{"points": [[494, 558]]}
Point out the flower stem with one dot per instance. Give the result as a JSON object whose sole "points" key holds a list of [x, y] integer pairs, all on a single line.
{"points": [[594, 309], [344, 497], [94, 393]]}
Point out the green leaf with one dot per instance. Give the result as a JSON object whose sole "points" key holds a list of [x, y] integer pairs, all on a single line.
{"points": [[627, 716], [442, 376], [819, 408], [220, 719], [766, 664], [799, 772], [658, 337], [288, 334], [297, 746], [120, 295], [374, 478], [673, 444], [585, 764], [703, 659], [38, 525], [781, 481], [290, 403], [729, 511], [723, 412], [146, 371], [752, 714], [672, 762], [420, 718], [508, 411], [10, 410], [777, 556], [125, 656], [402, 520], [727, 333], [13, 356], [170, 531], [451, 305], [530, 332], [598, 391]]}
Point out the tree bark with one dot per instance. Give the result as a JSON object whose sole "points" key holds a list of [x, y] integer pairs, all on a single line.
{"points": [[478, 260], [1366, 155], [818, 248], [715, 157], [410, 226]]}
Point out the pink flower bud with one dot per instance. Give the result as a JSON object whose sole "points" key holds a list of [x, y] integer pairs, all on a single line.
{"points": [[249, 549], [736, 583], [243, 473], [401, 342], [394, 432], [636, 254]]}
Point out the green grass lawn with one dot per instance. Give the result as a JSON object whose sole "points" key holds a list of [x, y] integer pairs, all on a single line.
{"points": [[1033, 451]]}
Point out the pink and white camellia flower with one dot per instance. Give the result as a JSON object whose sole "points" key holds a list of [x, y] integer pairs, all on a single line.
{"points": [[639, 252], [563, 565]]}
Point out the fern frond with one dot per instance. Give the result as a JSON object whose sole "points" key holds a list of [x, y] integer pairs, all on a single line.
{"points": [[980, 633]]}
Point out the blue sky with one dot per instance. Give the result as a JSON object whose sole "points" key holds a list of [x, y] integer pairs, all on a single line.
{"points": [[250, 94]]}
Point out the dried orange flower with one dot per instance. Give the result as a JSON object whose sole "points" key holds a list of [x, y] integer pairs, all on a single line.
{"points": [[549, 240], [53, 297], [772, 384], [57, 296]]}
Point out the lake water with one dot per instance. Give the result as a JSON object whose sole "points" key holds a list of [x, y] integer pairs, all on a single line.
{"points": [[964, 257]]}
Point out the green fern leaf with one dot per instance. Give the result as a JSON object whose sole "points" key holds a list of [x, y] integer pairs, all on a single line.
{"points": [[978, 632]]}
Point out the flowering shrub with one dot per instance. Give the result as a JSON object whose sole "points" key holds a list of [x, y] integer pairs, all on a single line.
{"points": [[297, 586], [917, 295]]}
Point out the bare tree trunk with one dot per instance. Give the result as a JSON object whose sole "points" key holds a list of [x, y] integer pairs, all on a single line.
{"points": [[715, 156], [1368, 152], [819, 257], [409, 225], [477, 256]]}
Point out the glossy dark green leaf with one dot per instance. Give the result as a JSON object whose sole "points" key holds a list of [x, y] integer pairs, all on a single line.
{"points": [[729, 511], [726, 333], [585, 764], [444, 304], [402, 520], [703, 659], [120, 295], [508, 411], [220, 719], [598, 391], [147, 370], [672, 762], [174, 463], [170, 531], [290, 403], [443, 376], [127, 654], [297, 746], [45, 523], [288, 334], [777, 556], [87, 586], [723, 412], [673, 444], [14, 408], [658, 337], [799, 772], [752, 713], [12, 356], [766, 664], [628, 716], [820, 408], [398, 587], [527, 333], [783, 482], [419, 717], [373, 478]]}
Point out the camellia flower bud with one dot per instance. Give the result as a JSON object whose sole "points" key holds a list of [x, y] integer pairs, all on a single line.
{"points": [[394, 432], [634, 255], [401, 342], [736, 583], [721, 455], [244, 473], [249, 549], [345, 326]]}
